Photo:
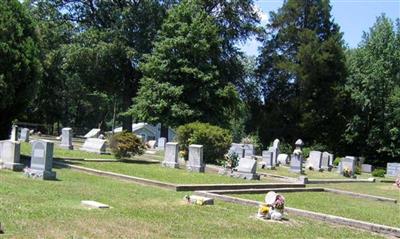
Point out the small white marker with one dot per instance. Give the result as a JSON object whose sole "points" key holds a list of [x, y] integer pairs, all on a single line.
{"points": [[94, 204]]}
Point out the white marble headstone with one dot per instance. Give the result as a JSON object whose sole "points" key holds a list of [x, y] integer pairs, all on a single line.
{"points": [[94, 145], [195, 162], [93, 133], [66, 138], [171, 155], [315, 160]]}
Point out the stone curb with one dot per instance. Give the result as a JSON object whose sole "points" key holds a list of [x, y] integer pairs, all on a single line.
{"points": [[196, 187], [392, 231], [360, 195], [265, 190], [322, 181]]}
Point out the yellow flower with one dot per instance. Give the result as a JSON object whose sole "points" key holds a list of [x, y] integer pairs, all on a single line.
{"points": [[264, 209]]}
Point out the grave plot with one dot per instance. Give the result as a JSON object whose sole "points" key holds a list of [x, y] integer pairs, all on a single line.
{"points": [[36, 209], [340, 205], [311, 174]]}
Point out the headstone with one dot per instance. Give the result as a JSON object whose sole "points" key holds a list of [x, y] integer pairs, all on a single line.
{"points": [[275, 153], [340, 168], [327, 160], [366, 168], [296, 161], [152, 144], [10, 155], [248, 150], [283, 159], [237, 149], [93, 133], [349, 162], [24, 137], [171, 155], [195, 162], [315, 160], [94, 145], [275, 144], [268, 160], [393, 169], [66, 138], [42, 159], [246, 169], [14, 133], [161, 143]]}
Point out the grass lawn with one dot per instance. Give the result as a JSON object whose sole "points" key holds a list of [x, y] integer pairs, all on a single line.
{"points": [[341, 205], [170, 175], [51, 209], [311, 174], [376, 189]]}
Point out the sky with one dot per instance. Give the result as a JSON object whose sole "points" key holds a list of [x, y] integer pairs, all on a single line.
{"points": [[353, 16]]}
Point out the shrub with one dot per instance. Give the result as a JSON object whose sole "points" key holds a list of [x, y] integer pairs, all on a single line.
{"points": [[378, 173], [337, 161], [215, 140], [358, 170], [254, 140], [126, 144], [286, 148]]}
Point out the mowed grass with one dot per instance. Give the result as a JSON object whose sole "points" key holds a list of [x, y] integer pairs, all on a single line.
{"points": [[377, 189], [169, 175], [51, 209], [341, 205], [311, 174]]}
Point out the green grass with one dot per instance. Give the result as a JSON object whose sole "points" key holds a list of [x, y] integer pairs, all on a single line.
{"points": [[170, 175], [341, 205], [377, 189], [51, 209], [311, 174]]}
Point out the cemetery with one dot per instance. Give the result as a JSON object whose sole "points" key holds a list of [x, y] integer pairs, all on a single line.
{"points": [[199, 119]]}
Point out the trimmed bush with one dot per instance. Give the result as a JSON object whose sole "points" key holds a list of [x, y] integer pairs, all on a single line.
{"points": [[337, 161], [378, 173], [215, 140], [126, 144]]}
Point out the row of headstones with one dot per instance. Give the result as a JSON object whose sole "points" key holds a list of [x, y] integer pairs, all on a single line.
{"points": [[195, 162], [41, 158]]}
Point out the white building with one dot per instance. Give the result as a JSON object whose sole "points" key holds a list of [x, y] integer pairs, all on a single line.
{"points": [[148, 131]]}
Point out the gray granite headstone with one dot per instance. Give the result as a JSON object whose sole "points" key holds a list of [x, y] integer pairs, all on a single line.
{"points": [[366, 168], [14, 133], [94, 145], [42, 159], [327, 160], [161, 143], [315, 160], [171, 155], [349, 162], [195, 162], [248, 150], [246, 169], [66, 138], [393, 169], [267, 160], [24, 137], [10, 155], [275, 152], [296, 163], [238, 149]]}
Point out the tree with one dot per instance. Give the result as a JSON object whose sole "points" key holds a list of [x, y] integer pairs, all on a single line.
{"points": [[19, 64], [301, 69], [374, 83], [182, 81]]}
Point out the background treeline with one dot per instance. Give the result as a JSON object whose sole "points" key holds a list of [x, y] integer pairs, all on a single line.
{"points": [[93, 63]]}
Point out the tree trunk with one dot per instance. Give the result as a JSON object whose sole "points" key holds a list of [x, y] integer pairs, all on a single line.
{"points": [[164, 131]]}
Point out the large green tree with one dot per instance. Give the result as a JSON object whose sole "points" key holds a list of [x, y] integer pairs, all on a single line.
{"points": [[194, 67], [301, 69], [19, 64], [374, 85]]}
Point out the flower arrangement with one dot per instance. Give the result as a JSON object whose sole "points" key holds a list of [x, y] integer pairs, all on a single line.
{"points": [[30, 173], [347, 172], [263, 211], [231, 160], [397, 182], [279, 202]]}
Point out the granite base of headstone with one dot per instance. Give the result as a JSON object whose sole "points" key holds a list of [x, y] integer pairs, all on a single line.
{"points": [[171, 155], [366, 168], [10, 155], [195, 162], [42, 160], [94, 145], [246, 169], [66, 139]]}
